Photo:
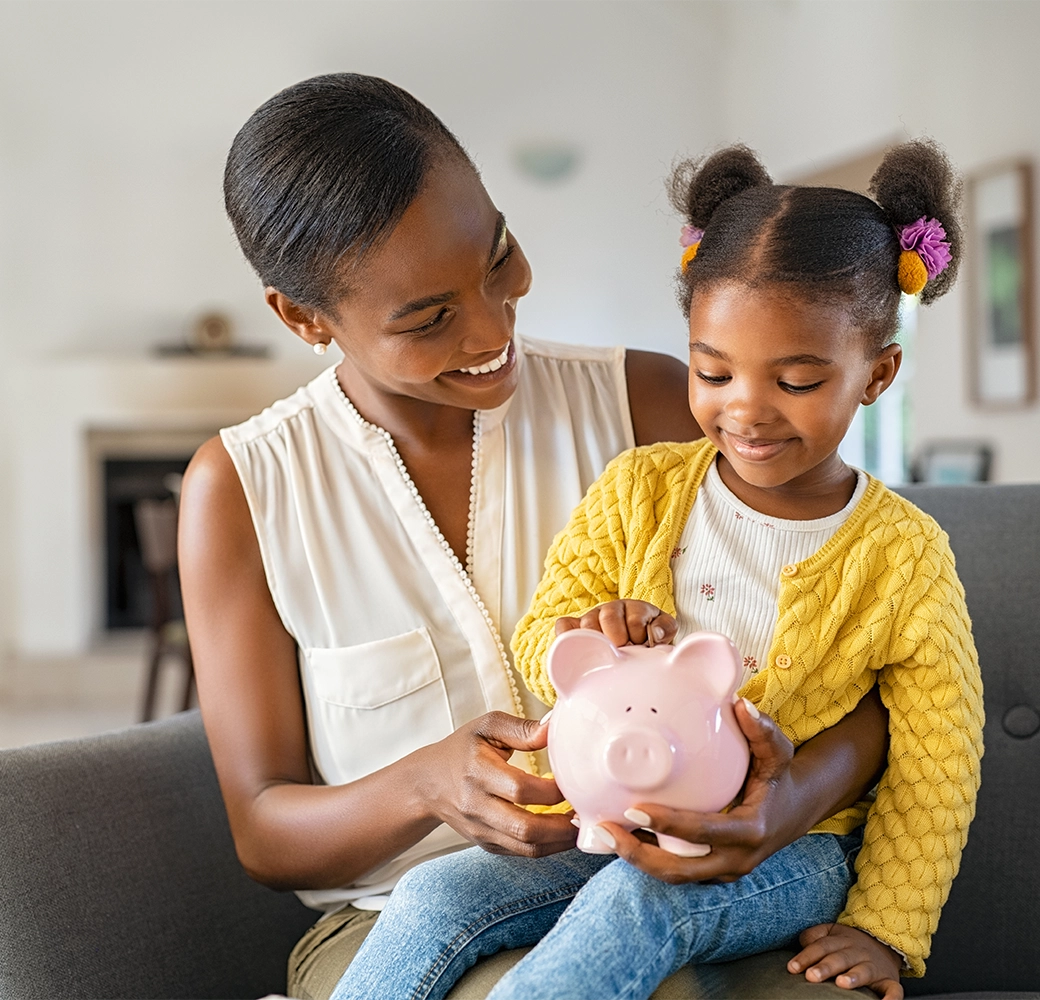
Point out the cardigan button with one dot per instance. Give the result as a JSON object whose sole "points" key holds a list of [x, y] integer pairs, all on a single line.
{"points": [[790, 570], [783, 661]]}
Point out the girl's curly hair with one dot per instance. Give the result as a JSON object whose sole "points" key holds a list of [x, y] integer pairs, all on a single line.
{"points": [[821, 243]]}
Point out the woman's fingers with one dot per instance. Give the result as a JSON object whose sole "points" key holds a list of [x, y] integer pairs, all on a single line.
{"points": [[507, 733], [475, 790], [771, 750]]}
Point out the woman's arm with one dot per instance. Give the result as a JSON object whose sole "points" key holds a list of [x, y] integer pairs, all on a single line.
{"points": [[658, 398], [290, 833]]}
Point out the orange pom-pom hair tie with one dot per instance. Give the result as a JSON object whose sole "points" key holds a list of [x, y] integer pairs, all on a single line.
{"points": [[925, 253], [690, 238]]}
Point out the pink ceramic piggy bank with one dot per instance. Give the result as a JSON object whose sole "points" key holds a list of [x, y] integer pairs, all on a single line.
{"points": [[638, 724]]}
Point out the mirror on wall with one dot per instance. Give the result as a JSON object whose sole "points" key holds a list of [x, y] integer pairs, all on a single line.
{"points": [[1000, 286]]}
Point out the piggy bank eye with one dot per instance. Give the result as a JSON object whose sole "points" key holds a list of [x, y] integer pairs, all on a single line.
{"points": [[629, 709], [654, 710]]}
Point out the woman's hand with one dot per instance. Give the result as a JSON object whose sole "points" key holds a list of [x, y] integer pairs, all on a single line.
{"points": [[624, 623], [766, 819], [851, 957], [471, 786]]}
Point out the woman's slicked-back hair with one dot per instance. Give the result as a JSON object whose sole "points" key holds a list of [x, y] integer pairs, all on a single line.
{"points": [[821, 244], [321, 172]]}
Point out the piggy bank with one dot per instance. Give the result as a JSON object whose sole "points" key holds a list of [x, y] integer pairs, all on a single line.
{"points": [[637, 724]]}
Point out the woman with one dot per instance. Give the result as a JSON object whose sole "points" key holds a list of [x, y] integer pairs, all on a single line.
{"points": [[353, 557]]}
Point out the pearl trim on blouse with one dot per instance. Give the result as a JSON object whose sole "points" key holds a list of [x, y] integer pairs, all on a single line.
{"points": [[463, 571]]}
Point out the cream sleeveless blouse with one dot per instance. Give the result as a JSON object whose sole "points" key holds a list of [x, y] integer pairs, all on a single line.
{"points": [[398, 643]]}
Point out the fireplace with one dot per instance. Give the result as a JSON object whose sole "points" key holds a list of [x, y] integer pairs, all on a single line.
{"points": [[129, 591]]}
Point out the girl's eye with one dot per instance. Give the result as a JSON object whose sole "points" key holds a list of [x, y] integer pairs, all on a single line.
{"points": [[713, 379], [787, 387], [436, 321], [501, 260]]}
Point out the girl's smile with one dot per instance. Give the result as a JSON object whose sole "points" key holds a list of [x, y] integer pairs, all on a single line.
{"points": [[775, 382]]}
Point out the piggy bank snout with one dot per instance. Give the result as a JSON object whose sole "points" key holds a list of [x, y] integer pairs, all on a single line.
{"points": [[639, 758]]}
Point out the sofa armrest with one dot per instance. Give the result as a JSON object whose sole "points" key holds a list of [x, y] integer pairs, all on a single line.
{"points": [[118, 875]]}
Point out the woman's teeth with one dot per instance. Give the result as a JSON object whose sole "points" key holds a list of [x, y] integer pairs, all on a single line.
{"points": [[490, 366]]}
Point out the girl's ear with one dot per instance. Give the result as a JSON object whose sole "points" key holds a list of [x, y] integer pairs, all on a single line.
{"points": [[886, 365], [305, 322]]}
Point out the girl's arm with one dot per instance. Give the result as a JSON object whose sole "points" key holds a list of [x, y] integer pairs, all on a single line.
{"points": [[290, 833]]}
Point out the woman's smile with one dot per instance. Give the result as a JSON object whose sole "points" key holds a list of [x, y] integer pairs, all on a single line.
{"points": [[489, 371]]}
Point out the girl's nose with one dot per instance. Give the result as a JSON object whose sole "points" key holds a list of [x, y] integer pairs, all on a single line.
{"points": [[747, 410]]}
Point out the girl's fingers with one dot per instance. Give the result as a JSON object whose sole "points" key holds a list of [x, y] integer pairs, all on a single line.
{"points": [[566, 624], [814, 933]]}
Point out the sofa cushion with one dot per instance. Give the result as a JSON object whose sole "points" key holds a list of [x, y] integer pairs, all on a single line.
{"points": [[985, 939], [118, 875]]}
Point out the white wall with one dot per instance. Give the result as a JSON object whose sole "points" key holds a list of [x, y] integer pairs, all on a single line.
{"points": [[115, 119], [808, 83]]}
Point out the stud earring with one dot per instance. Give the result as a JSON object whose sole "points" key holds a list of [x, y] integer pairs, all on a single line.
{"points": [[320, 348]]}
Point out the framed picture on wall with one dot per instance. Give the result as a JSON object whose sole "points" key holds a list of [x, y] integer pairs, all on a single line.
{"points": [[1000, 286]]}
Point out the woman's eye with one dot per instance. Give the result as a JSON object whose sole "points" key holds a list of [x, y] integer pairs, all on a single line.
{"points": [[713, 379], [436, 321], [787, 387], [501, 260]]}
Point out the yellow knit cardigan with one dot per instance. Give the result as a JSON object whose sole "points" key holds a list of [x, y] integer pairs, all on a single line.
{"points": [[880, 602]]}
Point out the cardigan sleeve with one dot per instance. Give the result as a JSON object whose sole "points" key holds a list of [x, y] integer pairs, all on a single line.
{"points": [[582, 570], [918, 825]]}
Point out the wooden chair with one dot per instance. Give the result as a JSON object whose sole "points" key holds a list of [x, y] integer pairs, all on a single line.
{"points": [[156, 523]]}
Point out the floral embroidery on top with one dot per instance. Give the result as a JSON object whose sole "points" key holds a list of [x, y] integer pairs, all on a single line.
{"points": [[676, 552], [750, 663], [738, 515], [708, 591]]}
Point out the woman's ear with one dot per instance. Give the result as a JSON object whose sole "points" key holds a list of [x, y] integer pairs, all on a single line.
{"points": [[307, 323], [883, 374]]}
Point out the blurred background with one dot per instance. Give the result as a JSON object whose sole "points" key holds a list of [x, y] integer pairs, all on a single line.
{"points": [[131, 328]]}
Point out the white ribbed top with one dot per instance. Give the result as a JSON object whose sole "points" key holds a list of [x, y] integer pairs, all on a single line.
{"points": [[727, 566]]}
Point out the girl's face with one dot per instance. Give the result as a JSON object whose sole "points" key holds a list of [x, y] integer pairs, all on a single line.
{"points": [[775, 383], [434, 302]]}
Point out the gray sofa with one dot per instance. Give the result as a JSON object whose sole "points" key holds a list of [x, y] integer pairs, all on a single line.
{"points": [[118, 876]]}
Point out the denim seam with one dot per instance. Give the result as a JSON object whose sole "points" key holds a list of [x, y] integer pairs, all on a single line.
{"points": [[629, 991], [467, 934]]}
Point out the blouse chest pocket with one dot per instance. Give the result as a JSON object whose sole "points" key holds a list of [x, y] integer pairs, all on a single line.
{"points": [[374, 703]]}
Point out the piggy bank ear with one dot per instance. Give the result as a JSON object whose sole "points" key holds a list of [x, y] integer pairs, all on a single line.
{"points": [[575, 653], [714, 659]]}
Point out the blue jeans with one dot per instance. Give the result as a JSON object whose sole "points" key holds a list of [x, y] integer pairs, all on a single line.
{"points": [[603, 928]]}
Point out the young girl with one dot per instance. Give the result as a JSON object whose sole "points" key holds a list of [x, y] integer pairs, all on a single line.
{"points": [[827, 581]]}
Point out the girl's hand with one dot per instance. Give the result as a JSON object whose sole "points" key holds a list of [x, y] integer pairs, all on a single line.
{"points": [[624, 623], [469, 784], [765, 819], [853, 956]]}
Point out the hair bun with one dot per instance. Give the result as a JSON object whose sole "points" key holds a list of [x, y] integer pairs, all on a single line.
{"points": [[915, 180], [698, 187]]}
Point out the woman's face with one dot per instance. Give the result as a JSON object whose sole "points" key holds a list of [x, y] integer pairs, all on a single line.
{"points": [[429, 314]]}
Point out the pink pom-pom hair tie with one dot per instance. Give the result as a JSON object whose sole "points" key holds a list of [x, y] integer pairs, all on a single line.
{"points": [[690, 238], [927, 238], [925, 253]]}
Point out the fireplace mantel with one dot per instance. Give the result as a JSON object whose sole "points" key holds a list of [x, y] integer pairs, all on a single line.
{"points": [[69, 414]]}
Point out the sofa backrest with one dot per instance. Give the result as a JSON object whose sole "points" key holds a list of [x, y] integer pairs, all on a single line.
{"points": [[987, 938], [118, 875]]}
